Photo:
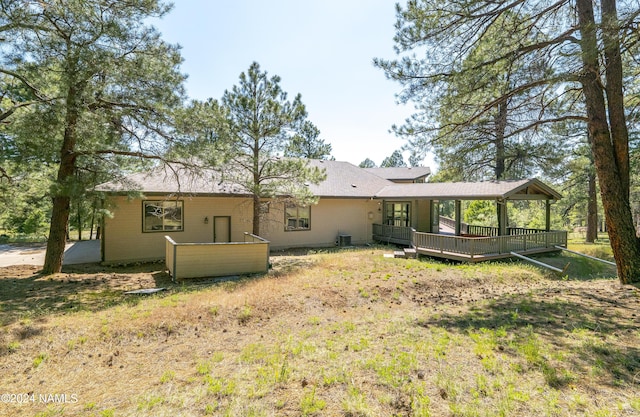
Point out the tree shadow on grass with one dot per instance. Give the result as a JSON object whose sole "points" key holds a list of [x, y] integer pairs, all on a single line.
{"points": [[594, 330], [577, 267], [27, 294]]}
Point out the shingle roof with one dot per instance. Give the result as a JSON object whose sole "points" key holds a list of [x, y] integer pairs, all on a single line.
{"points": [[527, 189], [344, 180], [174, 180], [400, 173], [347, 180]]}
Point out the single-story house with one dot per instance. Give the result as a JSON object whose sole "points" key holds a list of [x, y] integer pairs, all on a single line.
{"points": [[355, 206]]}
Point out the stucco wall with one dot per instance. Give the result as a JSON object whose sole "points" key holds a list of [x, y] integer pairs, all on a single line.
{"points": [[124, 241], [422, 212], [329, 218]]}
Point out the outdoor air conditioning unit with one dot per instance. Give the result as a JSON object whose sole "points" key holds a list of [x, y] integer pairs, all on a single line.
{"points": [[344, 240]]}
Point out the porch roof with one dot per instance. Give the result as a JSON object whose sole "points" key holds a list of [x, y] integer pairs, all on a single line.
{"points": [[527, 189]]}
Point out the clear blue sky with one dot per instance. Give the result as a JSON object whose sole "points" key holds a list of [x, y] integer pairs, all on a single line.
{"points": [[322, 49]]}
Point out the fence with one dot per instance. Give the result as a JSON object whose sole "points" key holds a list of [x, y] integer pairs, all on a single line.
{"points": [[196, 260], [393, 234]]}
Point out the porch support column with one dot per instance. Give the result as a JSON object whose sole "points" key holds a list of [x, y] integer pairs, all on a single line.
{"points": [[547, 224], [502, 217], [458, 208]]}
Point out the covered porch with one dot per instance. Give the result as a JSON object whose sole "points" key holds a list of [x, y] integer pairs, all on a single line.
{"points": [[452, 238]]}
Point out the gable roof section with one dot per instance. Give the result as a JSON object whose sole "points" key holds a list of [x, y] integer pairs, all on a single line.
{"points": [[527, 189], [174, 180], [400, 173], [344, 180]]}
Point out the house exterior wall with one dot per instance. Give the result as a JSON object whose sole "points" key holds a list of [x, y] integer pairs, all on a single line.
{"points": [[124, 240], [423, 213], [329, 218]]}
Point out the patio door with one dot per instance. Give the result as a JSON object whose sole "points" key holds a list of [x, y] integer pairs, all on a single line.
{"points": [[398, 214], [221, 229]]}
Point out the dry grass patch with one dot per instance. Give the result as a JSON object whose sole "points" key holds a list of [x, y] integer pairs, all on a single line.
{"points": [[348, 333]]}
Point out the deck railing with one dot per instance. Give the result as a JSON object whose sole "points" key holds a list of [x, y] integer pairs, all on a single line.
{"points": [[494, 231], [471, 229], [519, 240], [486, 231], [451, 224], [393, 234], [491, 245]]}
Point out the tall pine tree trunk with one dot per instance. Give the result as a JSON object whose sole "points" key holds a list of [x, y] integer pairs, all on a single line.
{"points": [[609, 160], [61, 200], [256, 215], [500, 128], [592, 209], [79, 220], [256, 183], [93, 219], [614, 90]]}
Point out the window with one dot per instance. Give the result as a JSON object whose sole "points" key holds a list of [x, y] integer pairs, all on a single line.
{"points": [[398, 214], [162, 216], [297, 218]]}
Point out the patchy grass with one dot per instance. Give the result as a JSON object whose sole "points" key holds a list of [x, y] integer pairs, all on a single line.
{"points": [[343, 334]]}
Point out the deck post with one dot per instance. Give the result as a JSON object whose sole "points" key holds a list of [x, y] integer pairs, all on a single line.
{"points": [[458, 214], [502, 217], [547, 224]]}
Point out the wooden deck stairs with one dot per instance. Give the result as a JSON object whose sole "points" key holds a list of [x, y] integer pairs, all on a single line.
{"points": [[406, 253]]}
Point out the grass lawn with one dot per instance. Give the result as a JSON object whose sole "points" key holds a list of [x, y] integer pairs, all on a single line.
{"points": [[348, 333]]}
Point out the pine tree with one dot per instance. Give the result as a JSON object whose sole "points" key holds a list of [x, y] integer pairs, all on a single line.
{"points": [[307, 144], [260, 122], [101, 83], [578, 47], [394, 160]]}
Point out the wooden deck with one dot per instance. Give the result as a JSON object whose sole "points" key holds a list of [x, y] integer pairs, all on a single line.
{"points": [[473, 248]]}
